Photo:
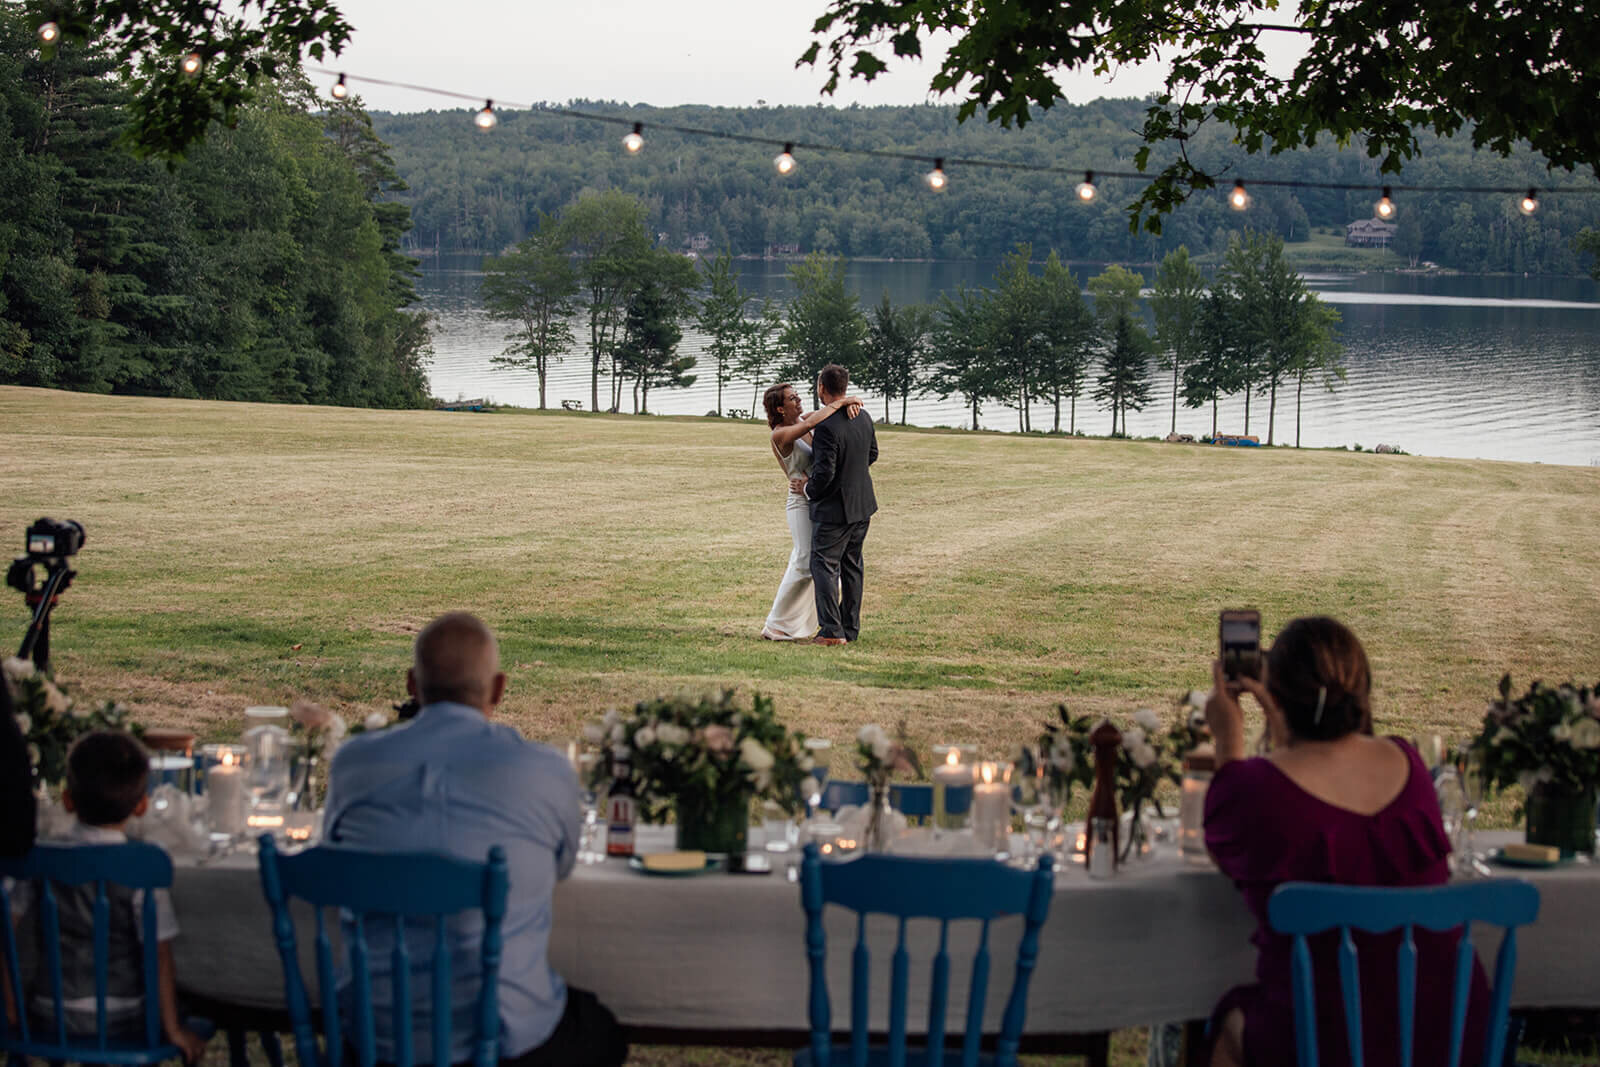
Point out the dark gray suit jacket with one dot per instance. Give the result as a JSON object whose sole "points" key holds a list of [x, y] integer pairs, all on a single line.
{"points": [[840, 489]]}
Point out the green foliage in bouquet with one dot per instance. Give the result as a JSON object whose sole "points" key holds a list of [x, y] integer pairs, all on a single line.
{"points": [[706, 753], [51, 720], [1147, 757], [1548, 737]]}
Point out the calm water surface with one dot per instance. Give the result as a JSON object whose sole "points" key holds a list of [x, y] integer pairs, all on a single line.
{"points": [[1493, 368]]}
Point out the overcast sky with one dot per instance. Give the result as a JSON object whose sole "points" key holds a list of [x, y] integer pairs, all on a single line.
{"points": [[660, 52]]}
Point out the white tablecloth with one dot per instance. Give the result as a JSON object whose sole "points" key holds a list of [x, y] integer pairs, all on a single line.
{"points": [[1158, 942]]}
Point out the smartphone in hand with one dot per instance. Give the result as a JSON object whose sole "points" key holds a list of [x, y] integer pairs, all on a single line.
{"points": [[1239, 643]]}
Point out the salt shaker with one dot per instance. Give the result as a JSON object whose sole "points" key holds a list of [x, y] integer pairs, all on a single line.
{"points": [[1102, 848]]}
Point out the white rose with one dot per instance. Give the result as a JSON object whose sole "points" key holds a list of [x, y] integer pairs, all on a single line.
{"points": [[24, 722], [618, 733], [869, 734], [1132, 737], [1505, 734], [1197, 698], [593, 733], [56, 701], [375, 720], [610, 718], [1586, 734], [1144, 756], [645, 737], [1148, 719], [1061, 757], [810, 787], [671, 734], [755, 756], [807, 763], [16, 668], [1561, 732]]}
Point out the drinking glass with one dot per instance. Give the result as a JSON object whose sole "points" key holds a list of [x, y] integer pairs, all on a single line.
{"points": [[1030, 796], [1452, 813], [1470, 771], [818, 748], [590, 848]]}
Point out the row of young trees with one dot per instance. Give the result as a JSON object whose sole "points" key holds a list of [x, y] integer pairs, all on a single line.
{"points": [[264, 266], [1032, 338]]}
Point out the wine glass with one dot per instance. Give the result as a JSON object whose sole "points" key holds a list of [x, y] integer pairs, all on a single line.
{"points": [[1469, 769], [583, 763], [1031, 797], [818, 748]]}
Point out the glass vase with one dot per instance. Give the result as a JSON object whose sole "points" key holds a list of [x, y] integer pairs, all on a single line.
{"points": [[1565, 820], [719, 826], [879, 834], [1136, 845]]}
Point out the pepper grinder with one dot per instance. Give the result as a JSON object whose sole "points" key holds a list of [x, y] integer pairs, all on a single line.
{"points": [[1107, 742]]}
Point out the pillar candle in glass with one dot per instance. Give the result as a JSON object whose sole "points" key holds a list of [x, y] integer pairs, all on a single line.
{"points": [[1198, 767], [991, 807], [224, 785], [952, 770]]}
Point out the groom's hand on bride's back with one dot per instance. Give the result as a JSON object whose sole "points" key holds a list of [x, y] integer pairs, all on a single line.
{"points": [[798, 485]]}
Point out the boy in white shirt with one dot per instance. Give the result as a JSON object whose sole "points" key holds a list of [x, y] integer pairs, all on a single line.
{"points": [[107, 772]]}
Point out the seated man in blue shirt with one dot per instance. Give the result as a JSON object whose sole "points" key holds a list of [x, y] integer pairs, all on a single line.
{"points": [[451, 781]]}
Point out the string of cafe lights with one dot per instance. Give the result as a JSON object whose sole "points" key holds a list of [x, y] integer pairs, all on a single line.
{"points": [[785, 162], [633, 142]]}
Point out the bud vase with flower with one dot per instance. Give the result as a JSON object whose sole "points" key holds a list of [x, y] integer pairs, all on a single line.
{"points": [[879, 757]]}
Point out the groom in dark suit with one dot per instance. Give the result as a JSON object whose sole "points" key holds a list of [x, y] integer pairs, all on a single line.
{"points": [[840, 491]]}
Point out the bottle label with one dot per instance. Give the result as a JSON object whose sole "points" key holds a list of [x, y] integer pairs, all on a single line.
{"points": [[619, 826]]}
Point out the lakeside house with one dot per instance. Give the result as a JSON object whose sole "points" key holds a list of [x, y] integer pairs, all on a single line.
{"points": [[1369, 233]]}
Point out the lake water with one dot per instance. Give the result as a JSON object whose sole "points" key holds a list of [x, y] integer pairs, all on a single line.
{"points": [[1492, 368]]}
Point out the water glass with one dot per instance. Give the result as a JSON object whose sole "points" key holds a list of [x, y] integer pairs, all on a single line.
{"points": [[1470, 772], [591, 842], [1031, 796], [1452, 813]]}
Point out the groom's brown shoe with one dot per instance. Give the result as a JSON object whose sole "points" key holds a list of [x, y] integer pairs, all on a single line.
{"points": [[820, 640]]}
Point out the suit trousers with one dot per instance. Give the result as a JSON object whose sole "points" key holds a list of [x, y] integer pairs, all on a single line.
{"points": [[836, 564]]}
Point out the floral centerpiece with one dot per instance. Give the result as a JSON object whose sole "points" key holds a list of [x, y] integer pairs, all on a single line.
{"points": [[51, 721], [879, 756], [705, 760], [1148, 756], [1548, 742]]}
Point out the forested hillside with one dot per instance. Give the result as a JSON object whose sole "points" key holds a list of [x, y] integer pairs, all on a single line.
{"points": [[265, 266], [477, 190]]}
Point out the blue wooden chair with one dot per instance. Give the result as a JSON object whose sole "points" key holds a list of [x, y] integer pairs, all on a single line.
{"points": [[133, 866], [1300, 909], [915, 801], [386, 888], [913, 888]]}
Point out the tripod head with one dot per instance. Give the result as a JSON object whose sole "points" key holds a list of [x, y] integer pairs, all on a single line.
{"points": [[50, 544]]}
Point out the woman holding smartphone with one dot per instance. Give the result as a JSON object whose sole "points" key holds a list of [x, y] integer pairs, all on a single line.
{"points": [[1328, 803]]}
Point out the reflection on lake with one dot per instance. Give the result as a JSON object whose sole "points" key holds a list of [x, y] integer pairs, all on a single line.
{"points": [[1495, 368]]}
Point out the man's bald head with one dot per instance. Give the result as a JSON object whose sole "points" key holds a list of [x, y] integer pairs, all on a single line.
{"points": [[457, 659]]}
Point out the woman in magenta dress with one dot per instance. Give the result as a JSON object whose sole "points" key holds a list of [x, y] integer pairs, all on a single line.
{"points": [[1329, 803]]}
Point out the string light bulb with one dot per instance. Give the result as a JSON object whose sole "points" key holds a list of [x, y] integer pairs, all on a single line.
{"points": [[1529, 202], [936, 178], [1239, 198], [1086, 187], [784, 160], [192, 63], [340, 90], [49, 32], [1384, 208], [486, 118], [635, 140]]}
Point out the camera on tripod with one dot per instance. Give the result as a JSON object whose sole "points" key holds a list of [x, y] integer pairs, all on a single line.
{"points": [[50, 543]]}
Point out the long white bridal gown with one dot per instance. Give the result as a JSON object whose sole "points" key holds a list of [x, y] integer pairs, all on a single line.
{"points": [[794, 610]]}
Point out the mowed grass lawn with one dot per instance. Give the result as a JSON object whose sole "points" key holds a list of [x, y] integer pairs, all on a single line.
{"points": [[241, 554]]}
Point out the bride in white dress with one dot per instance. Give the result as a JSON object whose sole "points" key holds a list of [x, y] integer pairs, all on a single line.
{"points": [[794, 610]]}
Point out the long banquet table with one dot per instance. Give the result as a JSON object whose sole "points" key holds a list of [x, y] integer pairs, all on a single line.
{"points": [[1161, 941]]}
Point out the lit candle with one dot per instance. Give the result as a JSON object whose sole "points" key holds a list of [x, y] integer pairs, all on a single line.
{"points": [[951, 773], [991, 807], [225, 793]]}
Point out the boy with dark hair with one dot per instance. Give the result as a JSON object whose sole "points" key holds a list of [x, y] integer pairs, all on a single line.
{"points": [[107, 772]]}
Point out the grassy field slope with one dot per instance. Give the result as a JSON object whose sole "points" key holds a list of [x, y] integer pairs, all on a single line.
{"points": [[242, 554]]}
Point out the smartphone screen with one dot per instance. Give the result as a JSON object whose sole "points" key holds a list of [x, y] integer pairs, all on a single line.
{"points": [[1239, 643]]}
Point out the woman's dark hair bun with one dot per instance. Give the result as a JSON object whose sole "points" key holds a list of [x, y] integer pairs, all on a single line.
{"points": [[1318, 673]]}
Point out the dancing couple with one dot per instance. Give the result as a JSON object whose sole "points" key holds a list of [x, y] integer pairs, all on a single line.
{"points": [[825, 455]]}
